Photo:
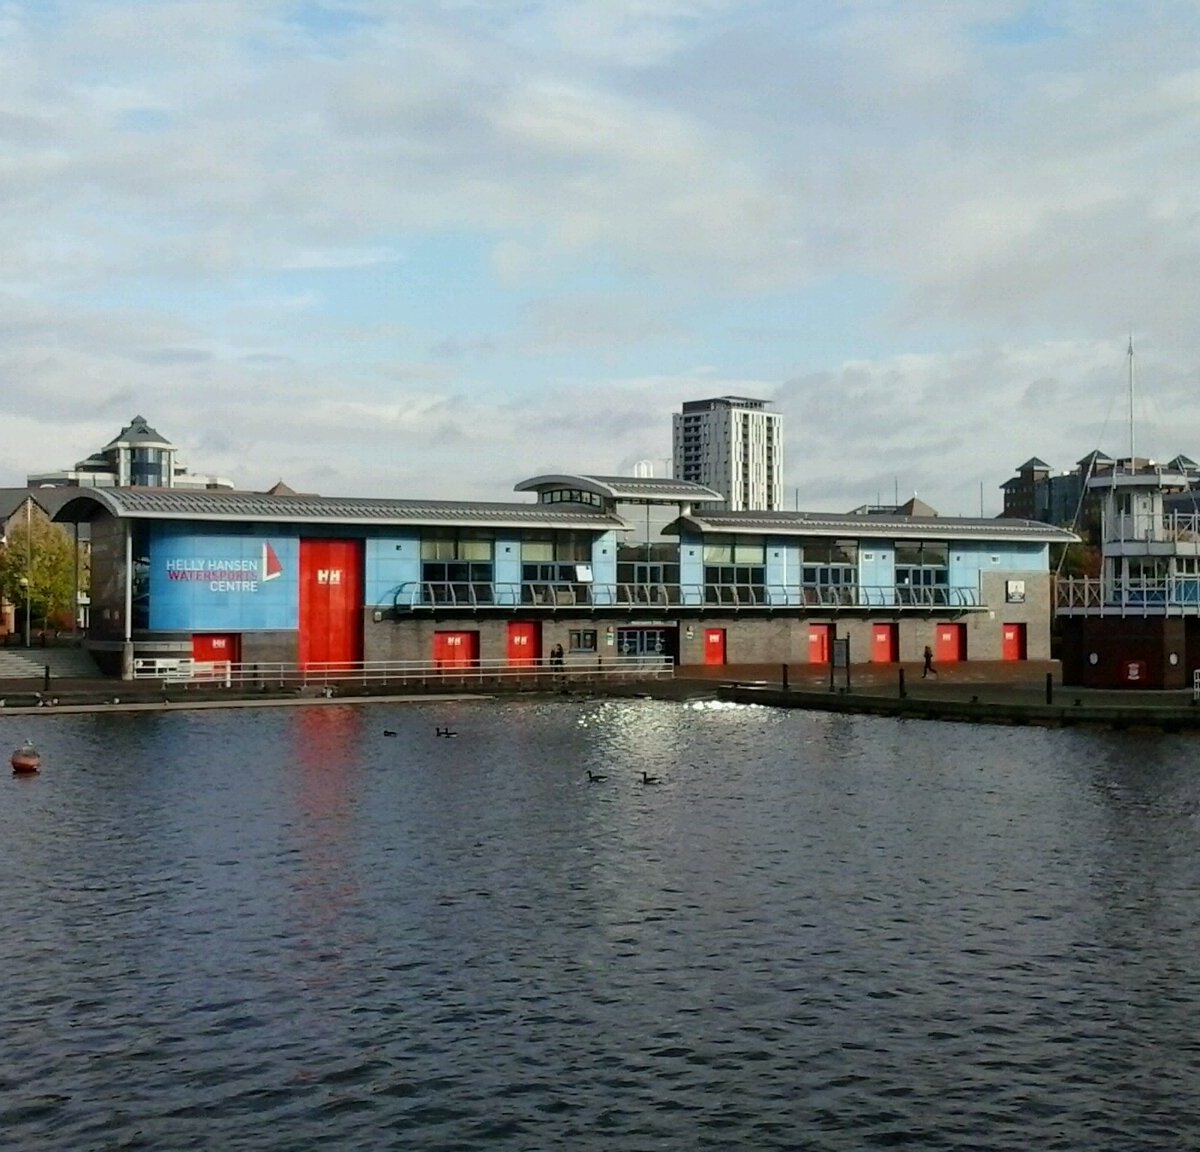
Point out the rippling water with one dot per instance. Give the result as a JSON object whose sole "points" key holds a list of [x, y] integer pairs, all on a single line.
{"points": [[282, 929]]}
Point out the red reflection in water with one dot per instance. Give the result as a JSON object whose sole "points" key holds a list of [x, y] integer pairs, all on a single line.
{"points": [[327, 779]]}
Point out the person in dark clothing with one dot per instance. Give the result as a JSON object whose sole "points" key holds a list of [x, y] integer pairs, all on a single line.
{"points": [[556, 656], [929, 669]]}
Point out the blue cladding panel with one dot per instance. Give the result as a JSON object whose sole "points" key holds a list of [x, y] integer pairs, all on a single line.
{"points": [[211, 583], [393, 567]]}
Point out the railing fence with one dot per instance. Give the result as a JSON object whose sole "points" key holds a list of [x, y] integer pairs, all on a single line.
{"points": [[397, 673]]}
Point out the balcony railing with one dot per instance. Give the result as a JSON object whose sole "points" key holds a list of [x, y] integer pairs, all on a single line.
{"points": [[1080, 595], [1142, 528], [419, 596]]}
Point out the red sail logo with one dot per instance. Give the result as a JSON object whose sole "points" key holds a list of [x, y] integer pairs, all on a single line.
{"points": [[271, 568]]}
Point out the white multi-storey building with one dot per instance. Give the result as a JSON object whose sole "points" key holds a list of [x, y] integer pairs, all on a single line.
{"points": [[734, 446]]}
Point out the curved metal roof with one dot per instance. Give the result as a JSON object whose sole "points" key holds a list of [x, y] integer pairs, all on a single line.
{"points": [[649, 489], [222, 505], [891, 527]]}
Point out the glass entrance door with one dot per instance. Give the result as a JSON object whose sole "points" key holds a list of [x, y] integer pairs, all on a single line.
{"points": [[639, 643]]}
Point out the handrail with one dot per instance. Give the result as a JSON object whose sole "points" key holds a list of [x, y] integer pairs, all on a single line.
{"points": [[418, 595], [283, 674], [1078, 593]]}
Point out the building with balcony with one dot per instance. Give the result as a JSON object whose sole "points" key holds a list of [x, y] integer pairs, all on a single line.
{"points": [[733, 445], [1138, 623], [138, 457], [612, 568]]}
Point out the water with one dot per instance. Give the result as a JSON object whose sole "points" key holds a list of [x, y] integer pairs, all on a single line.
{"points": [[281, 929]]}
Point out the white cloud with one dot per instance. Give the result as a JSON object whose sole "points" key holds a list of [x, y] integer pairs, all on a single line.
{"points": [[343, 246]]}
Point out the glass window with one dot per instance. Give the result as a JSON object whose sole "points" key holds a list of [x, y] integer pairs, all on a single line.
{"points": [[749, 550], [537, 548], [583, 640]]}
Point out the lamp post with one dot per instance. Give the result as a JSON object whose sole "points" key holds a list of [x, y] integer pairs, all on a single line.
{"points": [[25, 589]]}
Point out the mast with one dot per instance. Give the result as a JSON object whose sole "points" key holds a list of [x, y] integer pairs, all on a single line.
{"points": [[1132, 454]]}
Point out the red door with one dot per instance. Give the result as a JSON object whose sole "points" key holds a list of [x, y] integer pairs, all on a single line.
{"points": [[210, 647], [950, 643], [524, 642], [714, 645], [331, 602], [885, 643], [1013, 644], [455, 649], [819, 636]]}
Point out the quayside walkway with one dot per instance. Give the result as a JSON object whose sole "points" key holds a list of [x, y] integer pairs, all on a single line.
{"points": [[1009, 693]]}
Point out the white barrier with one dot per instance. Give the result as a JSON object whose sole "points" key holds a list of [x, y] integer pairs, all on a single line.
{"points": [[397, 672]]}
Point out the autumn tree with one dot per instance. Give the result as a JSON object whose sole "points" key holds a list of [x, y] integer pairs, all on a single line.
{"points": [[43, 552]]}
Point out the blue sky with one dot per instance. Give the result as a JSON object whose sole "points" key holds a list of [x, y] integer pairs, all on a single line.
{"points": [[429, 248]]}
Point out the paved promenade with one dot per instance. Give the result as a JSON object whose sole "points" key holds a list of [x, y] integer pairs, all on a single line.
{"points": [[977, 691]]}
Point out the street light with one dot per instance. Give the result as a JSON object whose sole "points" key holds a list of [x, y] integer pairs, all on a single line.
{"points": [[24, 582]]}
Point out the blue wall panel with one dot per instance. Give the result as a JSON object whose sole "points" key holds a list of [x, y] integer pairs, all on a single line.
{"points": [[201, 582], [393, 568]]}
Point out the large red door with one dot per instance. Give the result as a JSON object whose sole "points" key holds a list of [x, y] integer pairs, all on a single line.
{"points": [[819, 636], [331, 601], [1013, 642], [211, 647], [885, 643], [950, 643], [524, 642], [714, 646], [455, 649]]}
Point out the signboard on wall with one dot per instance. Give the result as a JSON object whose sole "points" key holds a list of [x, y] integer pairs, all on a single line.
{"points": [[199, 582]]}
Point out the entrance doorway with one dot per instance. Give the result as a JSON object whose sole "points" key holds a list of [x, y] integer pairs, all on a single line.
{"points": [[820, 637], [524, 643], [638, 643], [950, 643], [714, 645], [1013, 644], [885, 643]]}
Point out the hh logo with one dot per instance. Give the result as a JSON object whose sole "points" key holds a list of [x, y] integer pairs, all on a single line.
{"points": [[329, 575]]}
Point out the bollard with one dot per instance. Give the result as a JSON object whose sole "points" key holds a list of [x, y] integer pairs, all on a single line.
{"points": [[783, 680], [1049, 687], [46, 679], [903, 693]]}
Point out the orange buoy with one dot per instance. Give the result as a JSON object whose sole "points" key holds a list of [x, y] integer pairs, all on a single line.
{"points": [[26, 759]]}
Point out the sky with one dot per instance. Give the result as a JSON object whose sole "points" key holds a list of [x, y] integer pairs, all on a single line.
{"points": [[430, 248]]}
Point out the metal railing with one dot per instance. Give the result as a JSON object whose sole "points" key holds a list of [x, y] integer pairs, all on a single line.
{"points": [[1140, 528], [398, 673], [1082, 594], [475, 596]]}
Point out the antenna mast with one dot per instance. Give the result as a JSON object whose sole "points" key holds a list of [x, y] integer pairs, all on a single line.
{"points": [[1132, 453]]}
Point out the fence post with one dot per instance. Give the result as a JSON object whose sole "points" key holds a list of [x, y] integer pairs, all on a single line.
{"points": [[783, 679], [46, 679]]}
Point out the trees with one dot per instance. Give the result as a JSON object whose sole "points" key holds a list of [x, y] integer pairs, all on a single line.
{"points": [[43, 552]]}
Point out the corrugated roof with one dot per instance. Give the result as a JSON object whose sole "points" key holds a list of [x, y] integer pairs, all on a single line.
{"points": [[900, 527], [232, 506], [663, 489]]}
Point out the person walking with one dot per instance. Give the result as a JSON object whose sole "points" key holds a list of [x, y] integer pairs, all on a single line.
{"points": [[929, 669]]}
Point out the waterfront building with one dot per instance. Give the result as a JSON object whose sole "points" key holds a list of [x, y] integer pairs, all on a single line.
{"points": [[612, 568], [734, 445], [1138, 623], [138, 456]]}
